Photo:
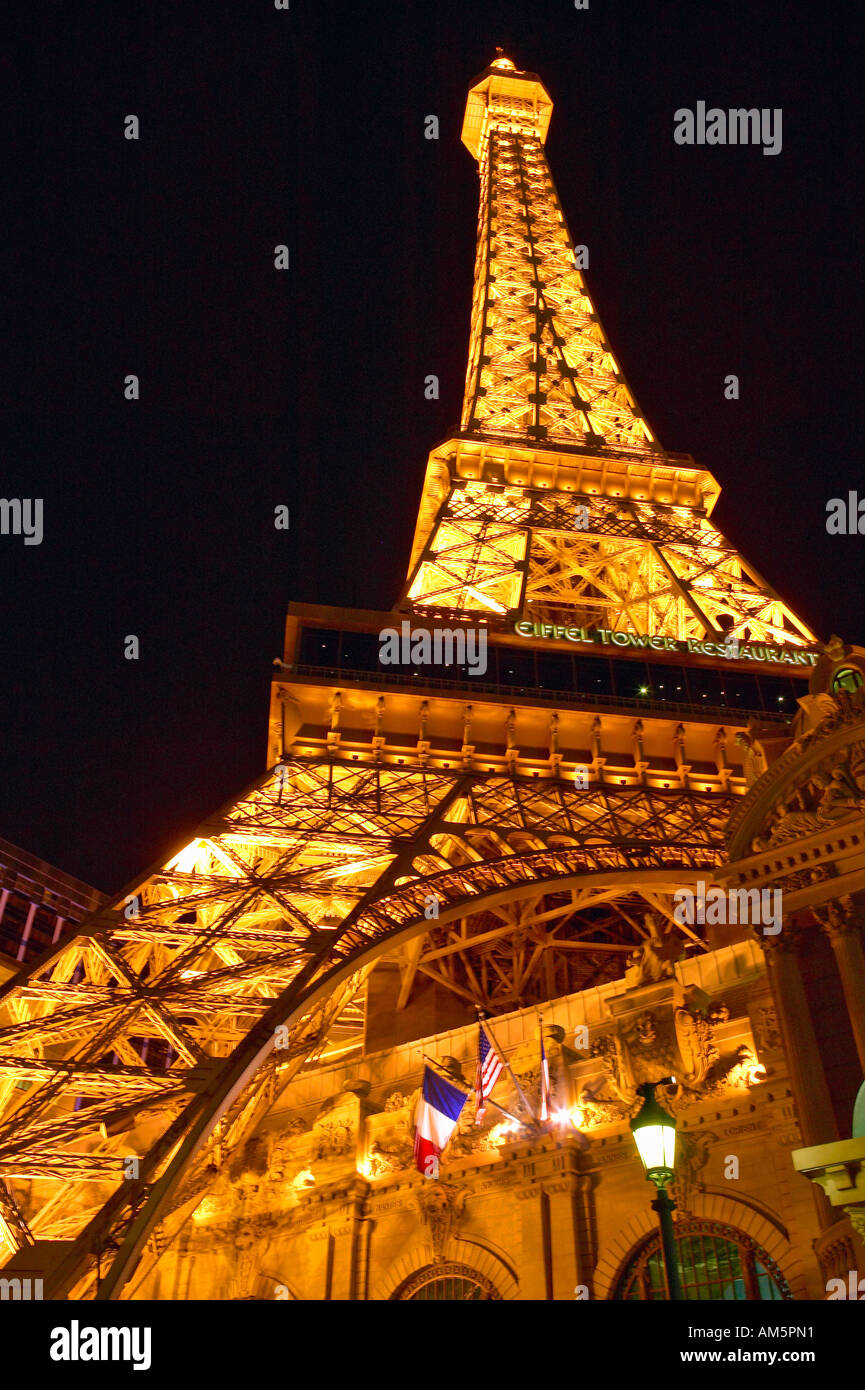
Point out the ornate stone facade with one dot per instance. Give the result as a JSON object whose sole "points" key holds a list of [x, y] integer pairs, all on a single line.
{"points": [[325, 1201]]}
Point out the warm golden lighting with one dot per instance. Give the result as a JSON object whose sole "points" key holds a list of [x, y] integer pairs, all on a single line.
{"points": [[654, 1133], [657, 1146], [486, 600], [568, 390], [502, 1133], [188, 857], [399, 867]]}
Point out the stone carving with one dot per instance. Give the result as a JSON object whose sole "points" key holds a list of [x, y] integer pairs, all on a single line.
{"points": [[692, 1155], [390, 1146], [209, 1207], [659, 1029], [738, 1074], [845, 791], [754, 762], [453, 1068], [823, 796], [466, 1137], [837, 1258], [787, 826], [526, 1065], [441, 1205], [647, 1031], [598, 1109], [283, 1153], [836, 648], [857, 1219], [245, 1259], [609, 1053], [828, 713], [696, 1045], [333, 1137], [235, 1188], [827, 716], [768, 1034], [389, 1156], [746, 1071], [838, 918], [653, 960]]}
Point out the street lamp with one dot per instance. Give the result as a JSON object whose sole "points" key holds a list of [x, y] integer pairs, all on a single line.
{"points": [[654, 1133]]}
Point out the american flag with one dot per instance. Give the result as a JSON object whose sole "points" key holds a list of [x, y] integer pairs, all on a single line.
{"points": [[545, 1082], [489, 1068]]}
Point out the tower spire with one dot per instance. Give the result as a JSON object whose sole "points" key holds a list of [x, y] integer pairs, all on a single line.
{"points": [[554, 506], [540, 367]]}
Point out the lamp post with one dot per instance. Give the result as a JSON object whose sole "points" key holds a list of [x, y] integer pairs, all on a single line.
{"points": [[654, 1132]]}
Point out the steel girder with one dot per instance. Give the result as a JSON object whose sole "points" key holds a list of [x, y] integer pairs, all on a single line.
{"points": [[539, 364], [603, 563], [541, 373], [163, 1028]]}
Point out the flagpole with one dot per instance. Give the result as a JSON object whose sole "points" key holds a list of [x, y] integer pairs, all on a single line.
{"points": [[542, 1057], [438, 1065], [484, 1023], [521, 1123], [488, 1101]]}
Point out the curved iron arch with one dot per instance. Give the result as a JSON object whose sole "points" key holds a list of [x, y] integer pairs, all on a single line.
{"points": [[631, 837], [686, 1226], [433, 1273]]}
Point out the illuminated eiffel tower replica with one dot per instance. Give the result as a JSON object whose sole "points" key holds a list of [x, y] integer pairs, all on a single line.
{"points": [[496, 832]]}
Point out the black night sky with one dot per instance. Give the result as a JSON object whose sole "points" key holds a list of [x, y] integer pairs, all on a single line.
{"points": [[305, 387]]}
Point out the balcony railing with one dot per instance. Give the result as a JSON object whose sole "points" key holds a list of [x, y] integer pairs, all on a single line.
{"points": [[467, 685]]}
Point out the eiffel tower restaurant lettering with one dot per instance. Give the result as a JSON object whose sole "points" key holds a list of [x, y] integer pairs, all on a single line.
{"points": [[606, 637]]}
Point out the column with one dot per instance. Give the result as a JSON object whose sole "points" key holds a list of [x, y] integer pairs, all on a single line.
{"points": [[572, 1262], [360, 1236], [536, 1270], [811, 1094], [807, 1077], [844, 935]]}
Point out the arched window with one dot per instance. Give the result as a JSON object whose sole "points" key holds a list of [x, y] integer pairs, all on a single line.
{"points": [[716, 1263], [449, 1283], [848, 678]]}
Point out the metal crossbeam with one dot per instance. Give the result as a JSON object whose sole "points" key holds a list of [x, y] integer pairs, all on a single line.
{"points": [[145, 1013]]}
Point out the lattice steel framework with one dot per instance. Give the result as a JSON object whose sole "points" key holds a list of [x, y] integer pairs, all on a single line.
{"points": [[154, 1031], [597, 562], [539, 363], [541, 374], [139, 1051]]}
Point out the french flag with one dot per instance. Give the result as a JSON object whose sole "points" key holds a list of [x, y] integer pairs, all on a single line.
{"points": [[438, 1110], [545, 1081]]}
